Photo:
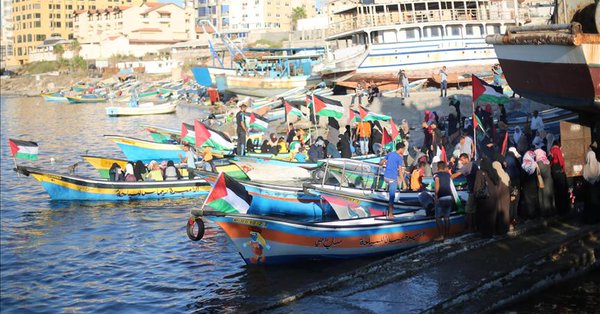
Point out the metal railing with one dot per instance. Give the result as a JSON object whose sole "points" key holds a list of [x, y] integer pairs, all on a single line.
{"points": [[365, 20]]}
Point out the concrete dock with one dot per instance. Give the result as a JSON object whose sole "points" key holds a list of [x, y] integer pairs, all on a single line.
{"points": [[468, 274]]}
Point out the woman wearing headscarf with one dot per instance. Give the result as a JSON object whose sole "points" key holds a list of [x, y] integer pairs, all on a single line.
{"points": [[529, 187], [545, 194], [502, 200], [591, 187], [139, 170], [486, 188], [513, 169], [155, 173], [559, 176], [129, 173], [344, 146], [517, 135]]}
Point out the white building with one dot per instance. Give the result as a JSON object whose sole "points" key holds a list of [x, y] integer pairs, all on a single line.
{"points": [[6, 33], [135, 30]]}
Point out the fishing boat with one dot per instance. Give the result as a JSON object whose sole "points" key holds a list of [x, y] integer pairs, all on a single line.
{"points": [[54, 97], [256, 71], [69, 188], [374, 41], [103, 165], [556, 64], [148, 108], [270, 240], [281, 199], [279, 169], [360, 186], [138, 149], [86, 99]]}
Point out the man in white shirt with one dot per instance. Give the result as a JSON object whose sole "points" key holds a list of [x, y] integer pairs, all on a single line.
{"points": [[537, 124], [444, 82]]}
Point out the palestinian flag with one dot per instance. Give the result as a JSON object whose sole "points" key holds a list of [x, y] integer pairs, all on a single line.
{"points": [[292, 110], [200, 135], [188, 134], [366, 115], [353, 116], [387, 141], [477, 122], [23, 149], [257, 121], [326, 107], [394, 129], [229, 196], [484, 92]]}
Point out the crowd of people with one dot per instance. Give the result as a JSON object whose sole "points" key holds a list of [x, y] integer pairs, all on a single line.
{"points": [[166, 170]]}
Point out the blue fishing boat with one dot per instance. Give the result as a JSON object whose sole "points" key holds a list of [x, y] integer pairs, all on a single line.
{"points": [[69, 188], [146, 151], [54, 97], [271, 240], [86, 99]]}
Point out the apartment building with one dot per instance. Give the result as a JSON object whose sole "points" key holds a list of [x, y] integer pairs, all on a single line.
{"points": [[6, 33], [36, 20], [238, 17], [132, 30]]}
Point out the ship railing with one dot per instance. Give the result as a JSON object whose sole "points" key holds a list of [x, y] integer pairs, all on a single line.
{"points": [[357, 21]]}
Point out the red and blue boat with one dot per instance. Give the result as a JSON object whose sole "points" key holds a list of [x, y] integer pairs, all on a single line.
{"points": [[270, 240]]}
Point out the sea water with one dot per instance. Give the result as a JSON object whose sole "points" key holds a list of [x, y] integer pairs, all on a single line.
{"points": [[116, 257]]}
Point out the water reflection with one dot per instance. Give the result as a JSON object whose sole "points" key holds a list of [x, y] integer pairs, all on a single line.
{"points": [[118, 257]]}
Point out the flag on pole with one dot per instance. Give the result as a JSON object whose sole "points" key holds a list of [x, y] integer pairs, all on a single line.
{"points": [[353, 116], [292, 110], [366, 115], [23, 149], [229, 196], [477, 123], [326, 107], [387, 141], [201, 135], [394, 129], [485, 92], [257, 121]]}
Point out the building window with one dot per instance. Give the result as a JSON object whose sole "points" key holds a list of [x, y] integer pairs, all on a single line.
{"points": [[29, 16], [38, 15], [40, 37], [18, 38], [19, 51], [69, 7], [37, 24], [29, 38]]}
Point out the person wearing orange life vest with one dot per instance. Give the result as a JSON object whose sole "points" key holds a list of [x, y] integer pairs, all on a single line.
{"points": [[363, 130]]}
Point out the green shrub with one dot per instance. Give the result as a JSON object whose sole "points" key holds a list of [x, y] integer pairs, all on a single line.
{"points": [[41, 67]]}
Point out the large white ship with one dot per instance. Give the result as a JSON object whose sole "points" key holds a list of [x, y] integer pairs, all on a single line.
{"points": [[374, 41]]}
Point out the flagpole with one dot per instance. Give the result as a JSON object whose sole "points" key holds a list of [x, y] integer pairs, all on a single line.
{"points": [[315, 114], [474, 129]]}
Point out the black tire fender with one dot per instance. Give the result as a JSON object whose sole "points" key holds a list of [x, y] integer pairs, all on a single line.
{"points": [[192, 222]]}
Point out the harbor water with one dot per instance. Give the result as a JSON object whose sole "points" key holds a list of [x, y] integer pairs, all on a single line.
{"points": [[116, 257]]}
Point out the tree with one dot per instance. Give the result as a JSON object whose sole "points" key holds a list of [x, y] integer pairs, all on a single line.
{"points": [[298, 13], [58, 50], [76, 47]]}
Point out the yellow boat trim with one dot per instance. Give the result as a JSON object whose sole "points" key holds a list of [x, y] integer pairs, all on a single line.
{"points": [[88, 189], [148, 145]]}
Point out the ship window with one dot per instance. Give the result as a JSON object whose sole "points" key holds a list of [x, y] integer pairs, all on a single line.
{"points": [[474, 30], [409, 33], [493, 29], [454, 30], [434, 31]]}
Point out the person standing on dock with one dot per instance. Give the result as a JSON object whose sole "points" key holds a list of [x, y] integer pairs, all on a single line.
{"points": [[444, 82], [468, 169], [405, 84], [537, 123], [242, 130], [394, 172], [363, 129]]}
